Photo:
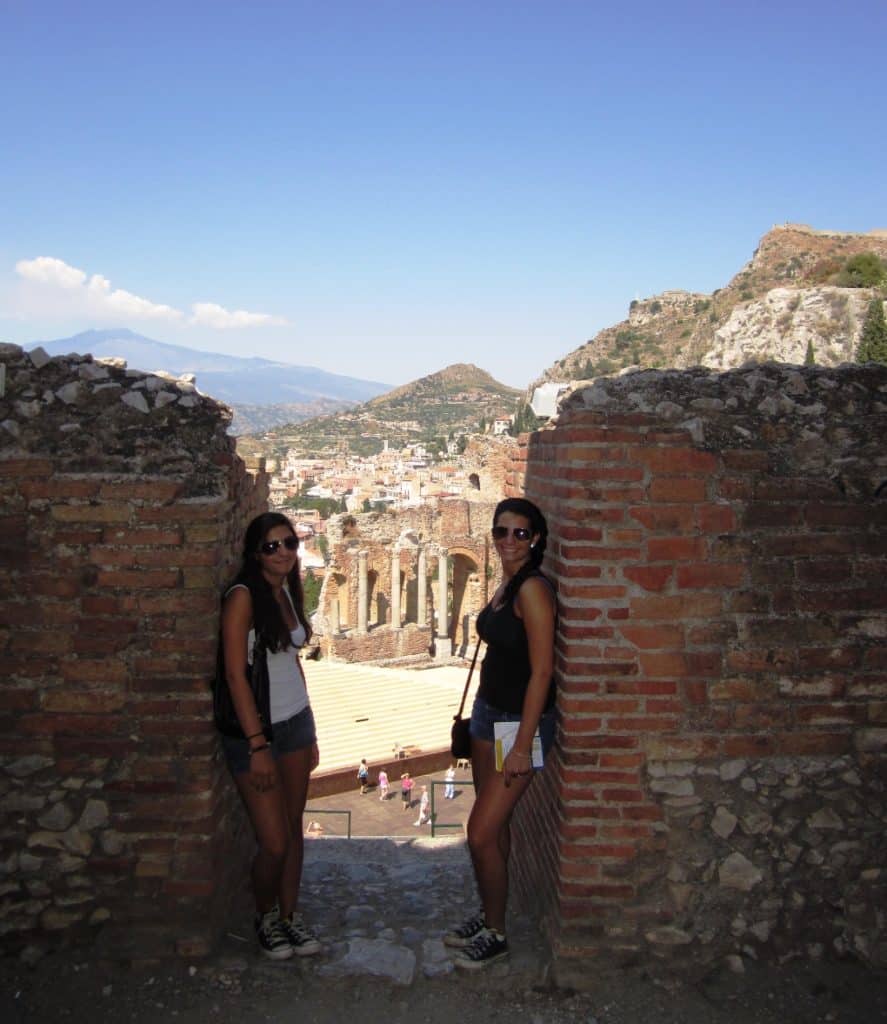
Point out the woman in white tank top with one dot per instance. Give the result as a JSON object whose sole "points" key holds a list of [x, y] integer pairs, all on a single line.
{"points": [[272, 761]]}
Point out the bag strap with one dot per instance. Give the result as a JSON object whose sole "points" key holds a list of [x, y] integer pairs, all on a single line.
{"points": [[468, 681]]}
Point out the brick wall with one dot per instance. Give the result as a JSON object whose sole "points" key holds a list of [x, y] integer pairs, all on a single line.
{"points": [[719, 788], [381, 644], [120, 524], [718, 543]]}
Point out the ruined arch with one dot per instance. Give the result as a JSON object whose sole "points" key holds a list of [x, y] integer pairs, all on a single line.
{"points": [[466, 596], [339, 596]]}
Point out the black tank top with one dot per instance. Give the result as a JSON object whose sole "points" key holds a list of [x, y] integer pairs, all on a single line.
{"points": [[505, 671]]}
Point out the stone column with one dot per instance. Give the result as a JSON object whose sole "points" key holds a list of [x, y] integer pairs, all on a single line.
{"points": [[334, 617], [362, 609], [422, 589], [395, 588], [443, 645]]}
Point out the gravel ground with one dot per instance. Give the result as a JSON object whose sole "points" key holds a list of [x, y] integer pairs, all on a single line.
{"points": [[67, 987], [397, 897]]}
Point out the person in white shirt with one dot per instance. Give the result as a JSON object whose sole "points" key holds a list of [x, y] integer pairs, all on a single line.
{"points": [[274, 751]]}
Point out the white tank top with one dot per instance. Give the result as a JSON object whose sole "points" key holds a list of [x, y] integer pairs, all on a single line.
{"points": [[289, 695]]}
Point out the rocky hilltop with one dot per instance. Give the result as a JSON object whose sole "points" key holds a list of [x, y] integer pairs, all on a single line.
{"points": [[453, 401], [788, 299]]}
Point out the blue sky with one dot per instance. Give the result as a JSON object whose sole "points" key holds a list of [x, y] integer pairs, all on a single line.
{"points": [[383, 188]]}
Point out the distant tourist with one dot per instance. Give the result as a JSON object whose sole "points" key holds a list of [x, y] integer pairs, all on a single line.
{"points": [[450, 779], [424, 816], [383, 784], [363, 776], [406, 790], [516, 685], [273, 751]]}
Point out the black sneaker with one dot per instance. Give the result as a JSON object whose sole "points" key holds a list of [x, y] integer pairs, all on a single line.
{"points": [[462, 935], [302, 940], [488, 947], [273, 942]]}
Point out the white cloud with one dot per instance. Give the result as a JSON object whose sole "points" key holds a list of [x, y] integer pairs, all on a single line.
{"points": [[48, 270], [210, 314], [53, 287], [125, 304], [63, 290]]}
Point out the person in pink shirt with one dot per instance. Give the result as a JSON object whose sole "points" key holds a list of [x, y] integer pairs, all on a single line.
{"points": [[406, 790]]}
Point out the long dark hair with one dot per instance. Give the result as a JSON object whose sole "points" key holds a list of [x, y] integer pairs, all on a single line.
{"points": [[538, 526], [267, 618]]}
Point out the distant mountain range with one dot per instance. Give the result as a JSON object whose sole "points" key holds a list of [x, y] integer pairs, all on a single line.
{"points": [[262, 393]]}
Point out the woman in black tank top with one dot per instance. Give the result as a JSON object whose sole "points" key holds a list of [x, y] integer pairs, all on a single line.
{"points": [[517, 686]]}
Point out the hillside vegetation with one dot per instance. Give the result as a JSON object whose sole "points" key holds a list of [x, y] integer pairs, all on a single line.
{"points": [[457, 400], [803, 293]]}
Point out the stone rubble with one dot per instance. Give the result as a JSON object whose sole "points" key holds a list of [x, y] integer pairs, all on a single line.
{"points": [[800, 844], [813, 425], [51, 405]]}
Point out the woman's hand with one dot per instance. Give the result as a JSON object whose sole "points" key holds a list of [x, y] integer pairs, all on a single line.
{"points": [[315, 758], [517, 764], [262, 773]]}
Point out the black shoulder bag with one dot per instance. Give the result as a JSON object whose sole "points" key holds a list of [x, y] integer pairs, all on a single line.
{"points": [[460, 737], [224, 714]]}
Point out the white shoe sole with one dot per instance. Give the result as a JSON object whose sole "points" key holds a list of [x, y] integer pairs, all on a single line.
{"points": [[308, 948], [479, 965], [457, 942], [277, 954]]}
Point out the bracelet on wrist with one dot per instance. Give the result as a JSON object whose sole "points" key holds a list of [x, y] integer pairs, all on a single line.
{"points": [[259, 733], [520, 753], [262, 746]]}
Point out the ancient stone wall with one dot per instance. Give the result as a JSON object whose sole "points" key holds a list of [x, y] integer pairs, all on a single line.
{"points": [[380, 539], [123, 508], [718, 543], [719, 786], [491, 457]]}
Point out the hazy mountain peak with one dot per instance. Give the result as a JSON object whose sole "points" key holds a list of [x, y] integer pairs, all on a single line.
{"points": [[236, 380]]}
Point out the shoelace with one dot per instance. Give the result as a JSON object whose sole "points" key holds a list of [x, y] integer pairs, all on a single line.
{"points": [[272, 933], [471, 926], [481, 944], [299, 930]]}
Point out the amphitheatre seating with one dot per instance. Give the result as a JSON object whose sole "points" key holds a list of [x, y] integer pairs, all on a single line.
{"points": [[365, 711]]}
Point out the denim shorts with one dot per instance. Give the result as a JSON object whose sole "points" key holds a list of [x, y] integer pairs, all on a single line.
{"points": [[293, 734], [483, 715]]}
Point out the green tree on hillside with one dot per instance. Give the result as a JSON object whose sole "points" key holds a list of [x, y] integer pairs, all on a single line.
{"points": [[873, 340], [864, 270], [323, 546], [525, 420], [311, 590], [326, 506]]}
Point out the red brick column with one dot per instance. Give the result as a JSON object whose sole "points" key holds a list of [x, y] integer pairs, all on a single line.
{"points": [[109, 599], [721, 696]]}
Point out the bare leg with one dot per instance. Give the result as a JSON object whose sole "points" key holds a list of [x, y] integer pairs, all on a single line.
{"points": [[267, 813], [489, 836], [295, 769]]}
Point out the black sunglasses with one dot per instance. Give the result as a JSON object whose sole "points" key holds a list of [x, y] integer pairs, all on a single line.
{"points": [[270, 546], [518, 532]]}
